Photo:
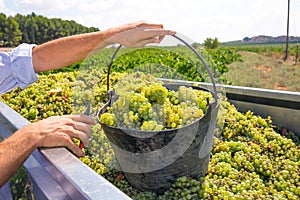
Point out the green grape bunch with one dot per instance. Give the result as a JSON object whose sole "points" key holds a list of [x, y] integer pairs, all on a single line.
{"points": [[144, 103]]}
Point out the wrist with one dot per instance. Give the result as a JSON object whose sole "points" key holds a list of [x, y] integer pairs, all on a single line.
{"points": [[109, 38], [30, 136]]}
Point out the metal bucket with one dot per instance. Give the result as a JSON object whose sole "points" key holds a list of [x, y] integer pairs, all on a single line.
{"points": [[153, 160]]}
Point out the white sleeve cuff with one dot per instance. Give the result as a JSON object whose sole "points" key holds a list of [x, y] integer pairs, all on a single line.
{"points": [[21, 65]]}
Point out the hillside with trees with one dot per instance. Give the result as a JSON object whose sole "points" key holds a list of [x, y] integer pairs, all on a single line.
{"points": [[36, 29], [270, 39]]}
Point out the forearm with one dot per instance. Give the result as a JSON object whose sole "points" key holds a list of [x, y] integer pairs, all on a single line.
{"points": [[14, 151], [51, 132], [68, 50], [65, 51]]}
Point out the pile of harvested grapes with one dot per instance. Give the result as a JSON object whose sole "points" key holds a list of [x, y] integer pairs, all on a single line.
{"points": [[251, 159]]}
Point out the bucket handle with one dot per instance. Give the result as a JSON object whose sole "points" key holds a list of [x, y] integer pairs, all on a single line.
{"points": [[191, 48]]}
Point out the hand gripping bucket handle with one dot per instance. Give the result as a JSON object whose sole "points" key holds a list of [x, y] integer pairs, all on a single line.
{"points": [[214, 93]]}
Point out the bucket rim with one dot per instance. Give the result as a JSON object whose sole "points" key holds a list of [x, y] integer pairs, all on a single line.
{"points": [[148, 133]]}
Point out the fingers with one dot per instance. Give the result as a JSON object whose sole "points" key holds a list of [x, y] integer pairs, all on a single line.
{"points": [[82, 127], [157, 32], [73, 147], [138, 34], [84, 133], [140, 24], [82, 118], [144, 24], [61, 139], [140, 37], [147, 41], [59, 131], [148, 36], [156, 29]]}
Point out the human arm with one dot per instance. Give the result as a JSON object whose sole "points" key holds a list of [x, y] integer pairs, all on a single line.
{"points": [[68, 50], [19, 67], [50, 132]]}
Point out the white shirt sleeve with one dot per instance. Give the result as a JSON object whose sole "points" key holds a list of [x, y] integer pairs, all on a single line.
{"points": [[16, 68]]}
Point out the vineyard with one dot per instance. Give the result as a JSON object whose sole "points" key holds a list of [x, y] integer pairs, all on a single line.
{"points": [[252, 158]]}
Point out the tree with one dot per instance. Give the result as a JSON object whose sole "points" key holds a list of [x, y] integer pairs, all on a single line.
{"points": [[10, 34], [196, 45], [210, 43], [3, 29], [22, 26], [36, 29], [14, 35]]}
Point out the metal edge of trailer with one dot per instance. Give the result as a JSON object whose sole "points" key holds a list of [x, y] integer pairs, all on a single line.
{"points": [[282, 106], [55, 173]]}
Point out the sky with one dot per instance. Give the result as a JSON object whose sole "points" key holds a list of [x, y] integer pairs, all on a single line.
{"points": [[226, 20]]}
